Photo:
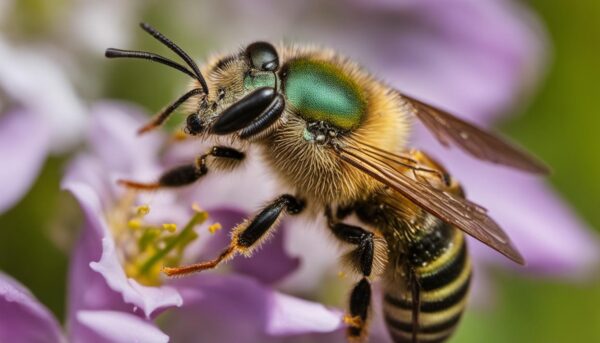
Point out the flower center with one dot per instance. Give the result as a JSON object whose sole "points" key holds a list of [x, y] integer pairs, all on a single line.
{"points": [[145, 248]]}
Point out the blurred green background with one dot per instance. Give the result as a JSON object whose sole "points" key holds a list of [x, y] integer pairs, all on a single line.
{"points": [[561, 125]]}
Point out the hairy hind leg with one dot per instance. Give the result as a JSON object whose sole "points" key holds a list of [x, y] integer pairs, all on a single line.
{"points": [[248, 235]]}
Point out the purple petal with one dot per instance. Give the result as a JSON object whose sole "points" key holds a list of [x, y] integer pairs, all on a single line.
{"points": [[34, 80], [231, 189], [213, 303], [87, 289], [319, 254], [114, 139], [148, 299], [24, 318], [475, 58], [99, 239], [291, 316], [270, 264], [472, 57], [117, 327], [117, 151], [548, 234], [21, 166]]}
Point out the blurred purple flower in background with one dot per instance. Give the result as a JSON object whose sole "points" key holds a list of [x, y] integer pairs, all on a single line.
{"points": [[24, 319], [40, 106], [40, 113]]}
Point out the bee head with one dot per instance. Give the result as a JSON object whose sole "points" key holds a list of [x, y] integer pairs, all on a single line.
{"points": [[245, 96]]}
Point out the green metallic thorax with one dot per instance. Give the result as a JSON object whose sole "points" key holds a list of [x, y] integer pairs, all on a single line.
{"points": [[319, 90]]}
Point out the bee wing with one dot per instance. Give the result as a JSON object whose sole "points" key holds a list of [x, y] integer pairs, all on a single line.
{"points": [[465, 215], [474, 140]]}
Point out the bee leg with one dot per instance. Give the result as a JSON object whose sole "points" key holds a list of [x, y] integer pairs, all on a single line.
{"points": [[360, 303], [362, 259], [223, 158], [248, 235]]}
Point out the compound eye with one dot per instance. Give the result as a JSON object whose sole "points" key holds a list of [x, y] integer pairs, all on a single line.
{"points": [[263, 56]]}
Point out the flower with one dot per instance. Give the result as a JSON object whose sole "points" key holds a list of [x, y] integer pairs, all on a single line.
{"points": [[471, 57], [40, 102], [115, 268], [24, 319], [43, 115]]}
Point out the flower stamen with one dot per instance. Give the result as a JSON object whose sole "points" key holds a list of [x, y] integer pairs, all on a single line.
{"points": [[177, 242], [214, 228], [170, 227]]}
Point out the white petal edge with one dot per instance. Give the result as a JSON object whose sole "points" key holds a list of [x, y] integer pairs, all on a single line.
{"points": [[147, 298], [121, 327], [291, 315]]}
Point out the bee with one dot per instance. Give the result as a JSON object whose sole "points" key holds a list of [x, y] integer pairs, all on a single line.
{"points": [[336, 139]]}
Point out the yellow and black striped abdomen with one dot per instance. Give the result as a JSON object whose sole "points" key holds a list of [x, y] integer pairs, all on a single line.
{"points": [[442, 268]]}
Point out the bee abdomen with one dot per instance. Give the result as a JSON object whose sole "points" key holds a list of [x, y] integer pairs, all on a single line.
{"points": [[444, 282]]}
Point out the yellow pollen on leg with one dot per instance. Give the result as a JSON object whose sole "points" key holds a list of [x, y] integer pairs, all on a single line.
{"points": [[180, 136], [353, 321]]}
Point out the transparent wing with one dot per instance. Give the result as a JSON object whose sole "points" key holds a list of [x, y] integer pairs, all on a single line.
{"points": [[474, 140], [465, 215]]}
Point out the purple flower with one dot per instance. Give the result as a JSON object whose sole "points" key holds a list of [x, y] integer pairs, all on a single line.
{"points": [[24, 319], [111, 277], [42, 115], [20, 166], [471, 57]]}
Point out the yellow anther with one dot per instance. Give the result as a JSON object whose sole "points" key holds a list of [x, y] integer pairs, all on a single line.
{"points": [[131, 269], [170, 227], [134, 224], [196, 207], [341, 275], [143, 210], [214, 228]]}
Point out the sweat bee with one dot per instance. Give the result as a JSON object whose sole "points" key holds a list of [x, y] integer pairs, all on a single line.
{"points": [[335, 137]]}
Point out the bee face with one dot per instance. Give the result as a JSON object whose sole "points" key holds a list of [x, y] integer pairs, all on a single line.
{"points": [[320, 91], [230, 77]]}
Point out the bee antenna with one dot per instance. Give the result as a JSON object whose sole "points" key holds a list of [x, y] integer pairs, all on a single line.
{"points": [[176, 49], [117, 53]]}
